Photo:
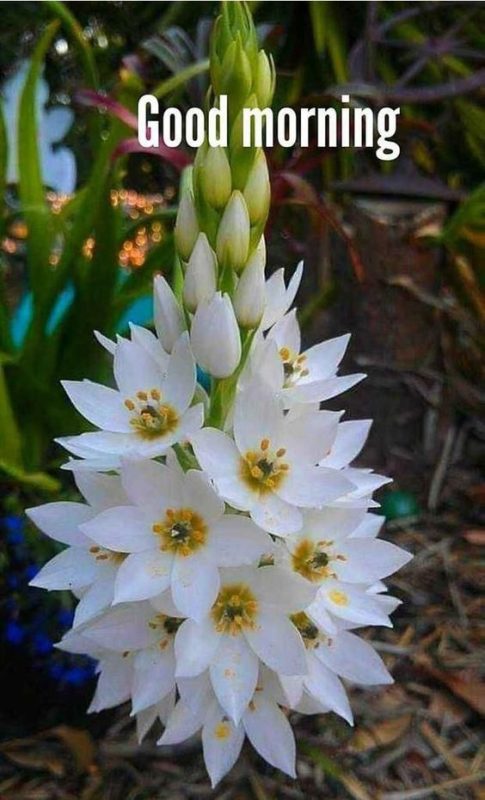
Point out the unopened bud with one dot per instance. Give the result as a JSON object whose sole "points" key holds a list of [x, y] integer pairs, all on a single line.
{"points": [[186, 226], [215, 337], [249, 298], [200, 275], [215, 177], [167, 313], [265, 79], [257, 192], [236, 77], [232, 244]]}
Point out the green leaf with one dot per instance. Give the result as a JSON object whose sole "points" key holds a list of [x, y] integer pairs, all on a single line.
{"points": [[10, 441], [3, 161], [176, 81], [32, 195], [36, 480], [74, 29]]}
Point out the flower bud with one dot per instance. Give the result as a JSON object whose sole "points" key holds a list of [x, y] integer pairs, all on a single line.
{"points": [[215, 177], [215, 337], [186, 226], [167, 313], [257, 192], [265, 80], [200, 275], [232, 245], [249, 298], [236, 77]]}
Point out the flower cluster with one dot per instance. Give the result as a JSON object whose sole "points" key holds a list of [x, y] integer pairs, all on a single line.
{"points": [[226, 550], [221, 570]]}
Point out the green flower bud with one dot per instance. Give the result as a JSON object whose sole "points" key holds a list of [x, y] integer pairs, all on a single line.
{"points": [[215, 177], [186, 226], [232, 245], [236, 76], [265, 79], [257, 192]]}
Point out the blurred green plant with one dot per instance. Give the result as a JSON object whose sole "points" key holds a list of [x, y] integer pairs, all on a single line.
{"points": [[71, 292]]}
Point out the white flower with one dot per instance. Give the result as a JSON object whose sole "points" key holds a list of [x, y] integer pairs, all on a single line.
{"points": [[342, 654], [215, 337], [264, 723], [200, 275], [324, 554], [167, 313], [269, 468], [249, 621], [83, 566], [150, 410], [134, 645], [176, 535], [310, 376], [278, 297]]}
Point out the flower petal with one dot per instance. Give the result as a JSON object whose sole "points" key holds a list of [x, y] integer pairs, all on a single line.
{"points": [[179, 384], [309, 437], [71, 569], [152, 486], [123, 628], [313, 486], [195, 585], [351, 603], [275, 515], [326, 687], [182, 724], [270, 733], [99, 404], [123, 529], [369, 527], [153, 677], [286, 332], [222, 742], [134, 369], [350, 439], [199, 495], [216, 452], [353, 659], [323, 359], [195, 646], [234, 675], [61, 521], [97, 598], [277, 642], [368, 560], [236, 540], [142, 576], [250, 427], [114, 683], [100, 491], [320, 391]]}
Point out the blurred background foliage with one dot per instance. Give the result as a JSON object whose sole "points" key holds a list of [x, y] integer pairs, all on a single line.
{"points": [[74, 261]]}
